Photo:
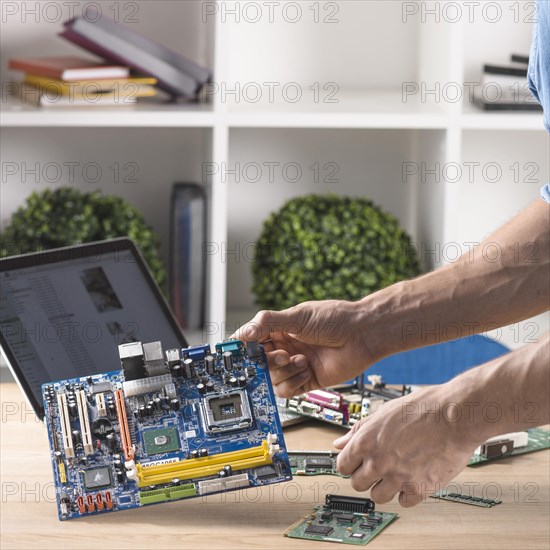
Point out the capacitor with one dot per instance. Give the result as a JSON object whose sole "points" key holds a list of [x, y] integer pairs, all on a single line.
{"points": [[148, 410], [141, 411], [195, 454], [120, 475], [188, 368], [151, 404], [242, 381], [117, 463], [210, 364], [203, 452], [201, 388], [221, 473], [175, 404], [165, 402], [157, 403], [57, 454], [250, 372], [209, 386], [111, 409], [228, 470], [228, 360], [232, 381]]}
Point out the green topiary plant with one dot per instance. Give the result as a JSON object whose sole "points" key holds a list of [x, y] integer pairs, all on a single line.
{"points": [[66, 216], [319, 247]]}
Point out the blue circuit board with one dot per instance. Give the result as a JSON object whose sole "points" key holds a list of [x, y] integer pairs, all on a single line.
{"points": [[169, 425]]}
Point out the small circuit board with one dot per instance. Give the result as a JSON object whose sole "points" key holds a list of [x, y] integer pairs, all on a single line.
{"points": [[343, 405], [168, 426], [313, 463], [349, 520], [466, 499], [536, 439]]}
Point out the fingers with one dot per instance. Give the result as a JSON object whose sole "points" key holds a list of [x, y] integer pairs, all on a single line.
{"points": [[408, 498], [385, 489], [290, 366], [342, 441], [268, 322], [351, 458], [293, 385]]}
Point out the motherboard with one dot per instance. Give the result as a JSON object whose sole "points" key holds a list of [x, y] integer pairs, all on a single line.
{"points": [[167, 426], [342, 405]]}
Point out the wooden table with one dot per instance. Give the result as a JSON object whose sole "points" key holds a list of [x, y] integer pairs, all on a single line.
{"points": [[257, 518]]}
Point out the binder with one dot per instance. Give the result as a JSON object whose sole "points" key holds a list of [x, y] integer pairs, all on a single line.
{"points": [[187, 260]]}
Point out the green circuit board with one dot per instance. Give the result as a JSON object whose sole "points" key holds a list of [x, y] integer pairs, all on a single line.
{"points": [[539, 439], [341, 524], [313, 463]]}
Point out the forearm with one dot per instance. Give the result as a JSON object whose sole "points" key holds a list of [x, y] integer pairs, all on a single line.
{"points": [[501, 281], [509, 394]]}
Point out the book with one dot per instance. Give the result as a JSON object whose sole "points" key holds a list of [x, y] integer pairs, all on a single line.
{"points": [[511, 71], [506, 105], [187, 262], [32, 95], [124, 87], [518, 58], [68, 68], [117, 43]]}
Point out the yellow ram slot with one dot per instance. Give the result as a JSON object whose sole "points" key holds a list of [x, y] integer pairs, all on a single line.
{"points": [[203, 466]]}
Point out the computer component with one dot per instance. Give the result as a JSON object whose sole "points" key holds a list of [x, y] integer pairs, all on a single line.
{"points": [[512, 444], [342, 405], [349, 520], [466, 499], [313, 463], [185, 423]]}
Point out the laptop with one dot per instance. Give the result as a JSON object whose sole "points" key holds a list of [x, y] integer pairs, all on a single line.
{"points": [[64, 312]]}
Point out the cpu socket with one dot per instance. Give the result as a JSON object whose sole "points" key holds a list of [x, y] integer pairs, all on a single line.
{"points": [[225, 413]]}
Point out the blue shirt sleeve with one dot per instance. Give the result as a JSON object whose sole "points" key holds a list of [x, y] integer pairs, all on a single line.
{"points": [[539, 69]]}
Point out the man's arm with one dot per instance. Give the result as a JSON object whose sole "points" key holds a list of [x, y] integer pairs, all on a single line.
{"points": [[415, 444], [503, 280]]}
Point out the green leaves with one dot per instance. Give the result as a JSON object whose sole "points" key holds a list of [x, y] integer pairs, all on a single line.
{"points": [[321, 247], [65, 216]]}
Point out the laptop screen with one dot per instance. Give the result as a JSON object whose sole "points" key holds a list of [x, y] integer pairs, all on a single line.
{"points": [[64, 313]]}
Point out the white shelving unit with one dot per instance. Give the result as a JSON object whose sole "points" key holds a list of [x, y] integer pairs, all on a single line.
{"points": [[351, 61]]}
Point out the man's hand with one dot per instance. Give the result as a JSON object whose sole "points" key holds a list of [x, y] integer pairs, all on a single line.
{"points": [[410, 447], [312, 345]]}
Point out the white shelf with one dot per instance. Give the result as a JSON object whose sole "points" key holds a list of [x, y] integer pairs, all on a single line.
{"points": [[354, 110]]}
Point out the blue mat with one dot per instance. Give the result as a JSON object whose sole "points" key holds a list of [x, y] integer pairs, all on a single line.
{"points": [[438, 363]]}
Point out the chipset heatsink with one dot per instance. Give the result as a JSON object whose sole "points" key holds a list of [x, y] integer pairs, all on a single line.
{"points": [[225, 413]]}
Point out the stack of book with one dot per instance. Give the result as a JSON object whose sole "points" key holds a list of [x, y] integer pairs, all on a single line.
{"points": [[131, 68], [505, 88], [79, 82]]}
